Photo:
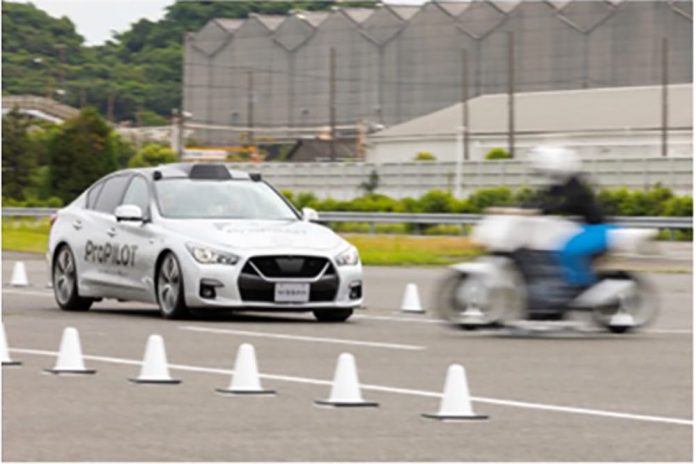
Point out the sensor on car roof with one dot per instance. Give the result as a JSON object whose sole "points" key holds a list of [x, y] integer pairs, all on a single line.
{"points": [[209, 172], [255, 176]]}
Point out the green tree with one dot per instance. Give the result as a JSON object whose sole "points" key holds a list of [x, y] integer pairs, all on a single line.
{"points": [[81, 152], [371, 185], [18, 158], [152, 155], [497, 154], [424, 156], [123, 150], [137, 70]]}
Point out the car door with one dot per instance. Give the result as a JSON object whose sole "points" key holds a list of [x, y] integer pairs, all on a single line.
{"points": [[101, 242], [137, 240], [80, 222]]}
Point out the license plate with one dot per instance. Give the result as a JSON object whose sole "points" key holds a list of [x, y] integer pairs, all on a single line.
{"points": [[291, 293]]}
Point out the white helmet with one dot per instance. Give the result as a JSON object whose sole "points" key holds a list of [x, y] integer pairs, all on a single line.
{"points": [[557, 162]]}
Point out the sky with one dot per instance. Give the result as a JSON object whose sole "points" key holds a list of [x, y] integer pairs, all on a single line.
{"points": [[95, 19]]}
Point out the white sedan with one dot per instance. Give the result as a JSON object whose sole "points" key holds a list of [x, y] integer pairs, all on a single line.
{"points": [[199, 236]]}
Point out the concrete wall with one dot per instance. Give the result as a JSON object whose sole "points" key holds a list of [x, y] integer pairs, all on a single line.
{"points": [[399, 180], [625, 144], [392, 68]]}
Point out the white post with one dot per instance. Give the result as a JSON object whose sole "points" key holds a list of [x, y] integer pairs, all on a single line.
{"points": [[174, 135], [459, 149]]}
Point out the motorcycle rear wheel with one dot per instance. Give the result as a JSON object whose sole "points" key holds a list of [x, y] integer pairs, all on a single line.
{"points": [[471, 301]]}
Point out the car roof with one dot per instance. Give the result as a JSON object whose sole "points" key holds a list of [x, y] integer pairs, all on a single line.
{"points": [[192, 171]]}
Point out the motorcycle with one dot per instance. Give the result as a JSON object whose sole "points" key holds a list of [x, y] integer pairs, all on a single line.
{"points": [[519, 277]]}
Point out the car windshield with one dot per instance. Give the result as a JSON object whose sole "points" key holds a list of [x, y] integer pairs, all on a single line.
{"points": [[215, 199]]}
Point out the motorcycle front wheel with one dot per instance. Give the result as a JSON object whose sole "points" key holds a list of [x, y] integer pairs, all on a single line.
{"points": [[634, 309]]}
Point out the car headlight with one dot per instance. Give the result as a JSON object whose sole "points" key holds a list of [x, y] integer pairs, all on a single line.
{"points": [[349, 257], [205, 255]]}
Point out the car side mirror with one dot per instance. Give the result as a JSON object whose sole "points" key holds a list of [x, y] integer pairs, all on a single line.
{"points": [[309, 215], [129, 213]]}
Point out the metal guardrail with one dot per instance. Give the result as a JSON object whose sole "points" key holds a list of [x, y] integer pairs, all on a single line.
{"points": [[642, 222], [30, 212]]}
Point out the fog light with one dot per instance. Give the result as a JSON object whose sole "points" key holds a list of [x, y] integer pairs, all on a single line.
{"points": [[355, 291], [207, 288]]}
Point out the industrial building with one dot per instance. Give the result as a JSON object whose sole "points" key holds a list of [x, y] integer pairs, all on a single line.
{"points": [[268, 77], [618, 122]]}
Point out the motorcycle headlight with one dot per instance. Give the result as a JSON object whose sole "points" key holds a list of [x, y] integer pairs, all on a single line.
{"points": [[349, 257], [205, 255]]}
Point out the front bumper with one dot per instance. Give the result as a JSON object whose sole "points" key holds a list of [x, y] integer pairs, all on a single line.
{"points": [[235, 289]]}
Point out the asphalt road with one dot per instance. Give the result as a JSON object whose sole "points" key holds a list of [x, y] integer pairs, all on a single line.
{"points": [[594, 397]]}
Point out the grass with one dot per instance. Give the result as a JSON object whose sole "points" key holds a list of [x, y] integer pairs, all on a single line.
{"points": [[401, 250], [31, 235], [25, 234]]}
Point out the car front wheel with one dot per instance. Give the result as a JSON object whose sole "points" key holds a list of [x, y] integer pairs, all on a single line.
{"points": [[333, 315], [65, 282], [170, 288]]}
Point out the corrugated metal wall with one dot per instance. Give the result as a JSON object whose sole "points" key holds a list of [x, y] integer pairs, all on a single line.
{"points": [[396, 63]]}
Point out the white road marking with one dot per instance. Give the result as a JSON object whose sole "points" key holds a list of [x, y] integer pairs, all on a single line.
{"points": [[27, 292], [396, 390], [669, 331], [339, 341], [433, 320], [422, 320], [417, 320]]}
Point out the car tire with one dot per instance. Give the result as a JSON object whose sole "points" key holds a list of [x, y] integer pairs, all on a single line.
{"points": [[333, 315], [170, 288], [64, 279]]}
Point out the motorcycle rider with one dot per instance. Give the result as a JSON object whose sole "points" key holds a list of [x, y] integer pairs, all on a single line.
{"points": [[570, 194]]}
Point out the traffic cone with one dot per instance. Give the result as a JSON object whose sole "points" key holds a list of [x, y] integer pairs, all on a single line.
{"points": [[70, 355], [411, 300], [245, 380], [49, 281], [19, 275], [155, 368], [456, 402], [4, 350], [345, 391]]}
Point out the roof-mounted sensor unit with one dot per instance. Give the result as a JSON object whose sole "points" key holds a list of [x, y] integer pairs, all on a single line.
{"points": [[209, 172]]}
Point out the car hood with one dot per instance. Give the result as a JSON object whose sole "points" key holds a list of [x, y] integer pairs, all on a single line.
{"points": [[262, 234]]}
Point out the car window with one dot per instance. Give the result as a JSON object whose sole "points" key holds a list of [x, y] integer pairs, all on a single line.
{"points": [[214, 199], [137, 194], [93, 194], [111, 194]]}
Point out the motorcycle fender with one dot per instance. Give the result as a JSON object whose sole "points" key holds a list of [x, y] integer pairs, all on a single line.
{"points": [[605, 292]]}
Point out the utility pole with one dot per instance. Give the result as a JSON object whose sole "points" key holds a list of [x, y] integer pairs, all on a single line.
{"points": [[60, 92], [332, 101], [665, 94], [110, 103], [180, 133], [250, 108], [465, 102], [83, 96], [511, 94]]}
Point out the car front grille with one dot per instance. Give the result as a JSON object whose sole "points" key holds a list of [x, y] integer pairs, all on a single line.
{"points": [[255, 286]]}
